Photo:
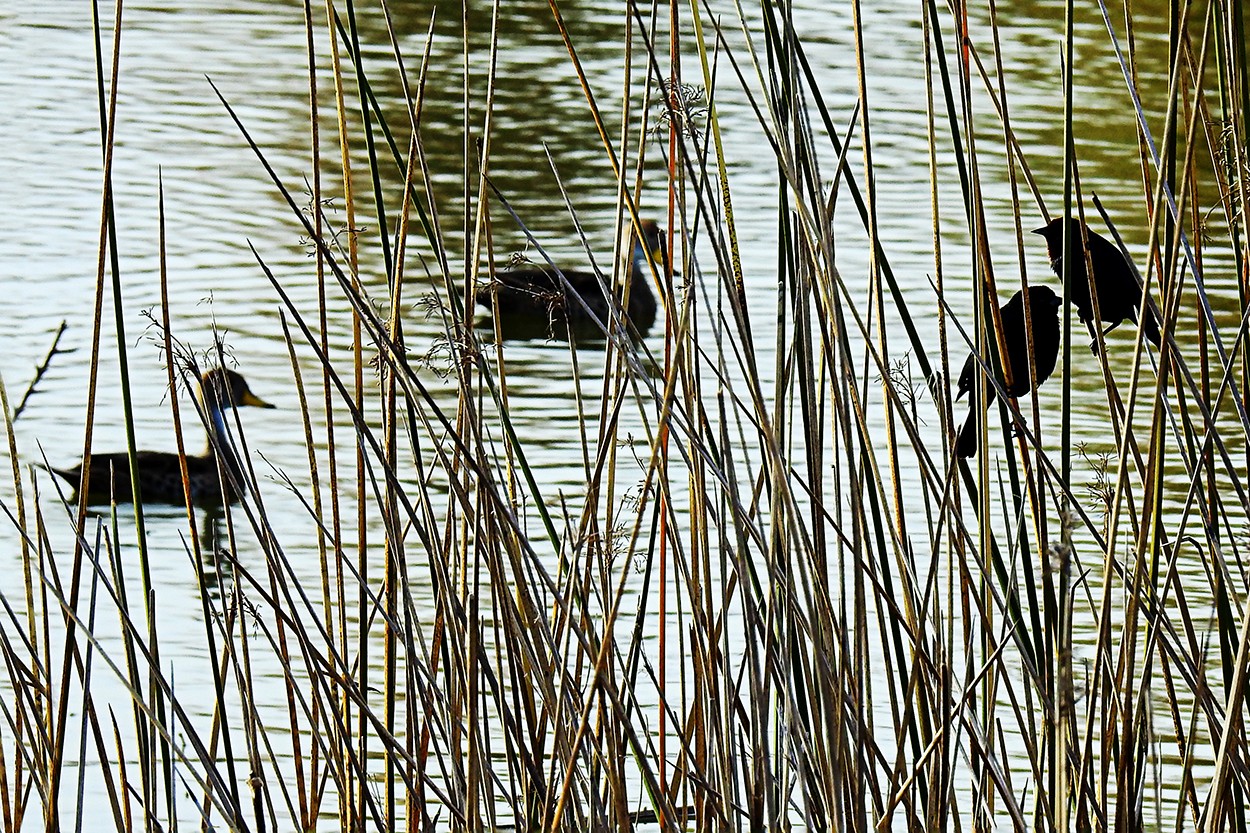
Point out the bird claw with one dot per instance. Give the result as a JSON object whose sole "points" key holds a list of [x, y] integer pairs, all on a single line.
{"points": [[1093, 347]]}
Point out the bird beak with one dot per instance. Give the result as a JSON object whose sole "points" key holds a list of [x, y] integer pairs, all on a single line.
{"points": [[255, 401], [1041, 230]]}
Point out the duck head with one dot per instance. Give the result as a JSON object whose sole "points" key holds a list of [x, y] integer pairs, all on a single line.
{"points": [[649, 248], [221, 388]]}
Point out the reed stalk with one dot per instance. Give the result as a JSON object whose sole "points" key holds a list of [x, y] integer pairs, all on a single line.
{"points": [[762, 592]]}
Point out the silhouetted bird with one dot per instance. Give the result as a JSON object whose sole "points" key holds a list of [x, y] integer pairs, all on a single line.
{"points": [[1119, 294], [536, 296], [160, 477], [1043, 307]]}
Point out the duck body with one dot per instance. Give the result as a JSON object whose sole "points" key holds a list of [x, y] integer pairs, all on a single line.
{"points": [[544, 296], [160, 479], [1119, 295], [213, 478], [1044, 314]]}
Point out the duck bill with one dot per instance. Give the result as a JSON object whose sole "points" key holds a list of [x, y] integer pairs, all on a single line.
{"points": [[255, 401]]}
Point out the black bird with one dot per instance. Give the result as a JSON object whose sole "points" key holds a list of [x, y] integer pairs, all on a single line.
{"points": [[536, 295], [160, 477], [1043, 306], [1119, 294]]}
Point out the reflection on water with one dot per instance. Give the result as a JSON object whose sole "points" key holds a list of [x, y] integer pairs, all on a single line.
{"points": [[217, 570], [544, 154]]}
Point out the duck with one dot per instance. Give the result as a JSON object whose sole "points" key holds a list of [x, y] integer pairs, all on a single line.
{"points": [[160, 475], [536, 294]]}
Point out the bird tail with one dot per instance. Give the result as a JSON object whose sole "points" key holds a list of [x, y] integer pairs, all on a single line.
{"points": [[1150, 326], [966, 439], [70, 476]]}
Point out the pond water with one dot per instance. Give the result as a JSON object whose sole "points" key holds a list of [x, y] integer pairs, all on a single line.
{"points": [[222, 214]]}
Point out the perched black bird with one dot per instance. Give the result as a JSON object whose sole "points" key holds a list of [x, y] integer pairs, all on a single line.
{"points": [[1119, 294], [160, 477], [537, 296], [1043, 307]]}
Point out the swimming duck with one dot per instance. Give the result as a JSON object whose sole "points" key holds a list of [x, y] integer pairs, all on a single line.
{"points": [[160, 476], [537, 292]]}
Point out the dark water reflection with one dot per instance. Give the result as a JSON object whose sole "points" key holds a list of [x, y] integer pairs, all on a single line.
{"points": [[218, 201]]}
